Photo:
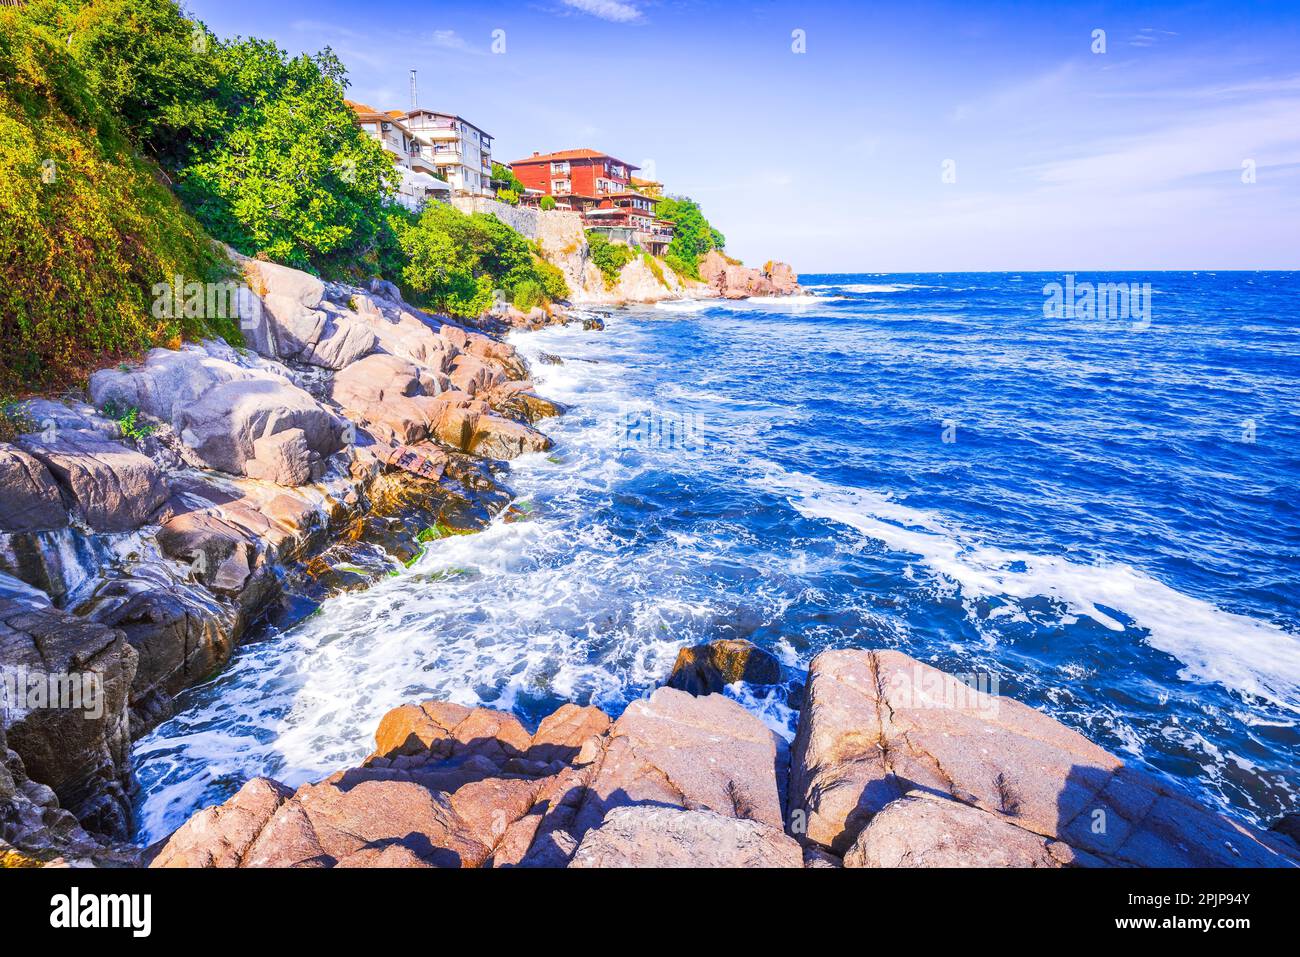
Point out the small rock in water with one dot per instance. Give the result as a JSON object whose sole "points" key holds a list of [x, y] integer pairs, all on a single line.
{"points": [[707, 669]]}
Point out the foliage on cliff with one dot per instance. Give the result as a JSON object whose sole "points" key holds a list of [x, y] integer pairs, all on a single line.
{"points": [[454, 262], [693, 235], [86, 225], [610, 258], [261, 144]]}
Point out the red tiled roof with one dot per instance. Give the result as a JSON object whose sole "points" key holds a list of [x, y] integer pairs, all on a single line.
{"points": [[570, 155]]}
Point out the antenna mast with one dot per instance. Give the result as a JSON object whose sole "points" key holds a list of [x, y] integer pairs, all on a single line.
{"points": [[414, 103]]}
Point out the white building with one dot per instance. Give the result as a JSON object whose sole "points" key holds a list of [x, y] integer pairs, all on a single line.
{"points": [[459, 151], [419, 180]]}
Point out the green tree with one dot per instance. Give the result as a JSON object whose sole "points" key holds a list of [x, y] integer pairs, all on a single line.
{"points": [[289, 174], [547, 203], [146, 63], [511, 188], [693, 235], [86, 226]]}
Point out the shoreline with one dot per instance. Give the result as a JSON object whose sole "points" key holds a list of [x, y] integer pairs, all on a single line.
{"points": [[298, 553]]}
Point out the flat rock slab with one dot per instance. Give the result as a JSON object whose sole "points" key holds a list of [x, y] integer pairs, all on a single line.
{"points": [[648, 836], [927, 831]]}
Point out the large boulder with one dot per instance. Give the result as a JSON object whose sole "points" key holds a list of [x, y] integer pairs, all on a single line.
{"points": [[113, 488], [708, 668], [224, 425], [670, 750], [71, 725], [29, 496], [35, 831], [218, 406], [290, 321], [877, 726], [925, 831], [647, 836], [390, 397], [443, 789]]}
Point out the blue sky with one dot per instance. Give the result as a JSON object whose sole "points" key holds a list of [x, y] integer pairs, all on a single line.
{"points": [[833, 159]]}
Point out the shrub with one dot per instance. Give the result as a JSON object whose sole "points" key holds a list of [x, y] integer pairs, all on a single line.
{"points": [[455, 262], [554, 285], [528, 294], [610, 258], [547, 203], [655, 268]]}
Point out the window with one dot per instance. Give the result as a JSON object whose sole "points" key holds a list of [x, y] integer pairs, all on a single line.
{"points": [[560, 187], [560, 167]]}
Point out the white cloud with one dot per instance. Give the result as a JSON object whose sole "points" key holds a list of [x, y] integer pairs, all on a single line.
{"points": [[617, 11]]}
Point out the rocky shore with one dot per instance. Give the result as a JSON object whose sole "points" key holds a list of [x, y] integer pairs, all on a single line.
{"points": [[206, 492], [188, 502], [895, 764]]}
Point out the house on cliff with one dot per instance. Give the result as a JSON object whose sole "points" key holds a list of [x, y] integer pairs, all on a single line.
{"points": [[460, 152], [600, 187], [420, 181]]}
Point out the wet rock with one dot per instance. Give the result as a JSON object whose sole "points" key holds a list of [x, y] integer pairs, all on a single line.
{"points": [[29, 496], [113, 488], [497, 438], [1288, 825], [182, 635], [36, 832], [708, 668], [877, 726], [219, 554], [17, 592], [668, 837], [926, 831], [81, 748]]}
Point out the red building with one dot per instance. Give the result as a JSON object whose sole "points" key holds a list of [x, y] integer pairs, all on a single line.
{"points": [[600, 187]]}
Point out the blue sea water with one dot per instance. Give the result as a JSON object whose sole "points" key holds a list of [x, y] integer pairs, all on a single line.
{"points": [[1101, 514]]}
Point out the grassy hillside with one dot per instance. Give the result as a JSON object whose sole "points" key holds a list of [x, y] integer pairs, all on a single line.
{"points": [[87, 225]]}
